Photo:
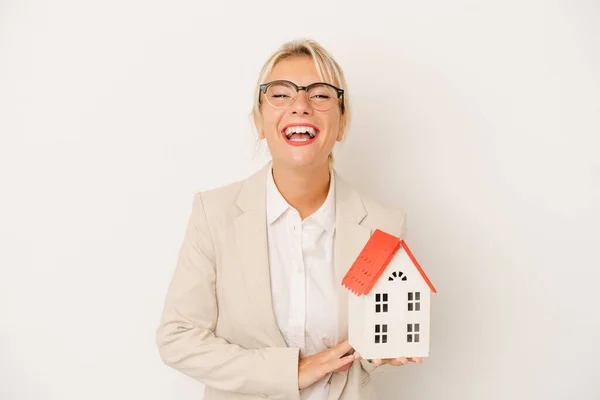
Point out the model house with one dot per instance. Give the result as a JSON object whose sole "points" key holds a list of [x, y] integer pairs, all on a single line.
{"points": [[389, 303]]}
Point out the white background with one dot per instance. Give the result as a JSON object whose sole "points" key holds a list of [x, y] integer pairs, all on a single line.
{"points": [[481, 120]]}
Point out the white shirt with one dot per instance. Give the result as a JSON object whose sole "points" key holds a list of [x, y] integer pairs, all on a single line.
{"points": [[302, 276]]}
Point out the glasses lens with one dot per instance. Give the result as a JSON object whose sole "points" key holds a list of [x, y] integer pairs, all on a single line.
{"points": [[322, 97], [280, 94]]}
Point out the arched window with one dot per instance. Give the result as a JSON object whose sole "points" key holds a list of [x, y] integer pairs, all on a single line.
{"points": [[397, 275]]}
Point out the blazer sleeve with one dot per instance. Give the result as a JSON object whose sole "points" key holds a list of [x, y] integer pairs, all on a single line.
{"points": [[185, 337]]}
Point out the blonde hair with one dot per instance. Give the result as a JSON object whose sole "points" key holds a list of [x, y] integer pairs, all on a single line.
{"points": [[328, 69]]}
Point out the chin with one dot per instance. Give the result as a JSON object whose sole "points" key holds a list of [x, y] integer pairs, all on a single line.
{"points": [[301, 160]]}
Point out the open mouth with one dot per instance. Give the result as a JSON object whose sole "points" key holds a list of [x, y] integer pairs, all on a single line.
{"points": [[300, 134]]}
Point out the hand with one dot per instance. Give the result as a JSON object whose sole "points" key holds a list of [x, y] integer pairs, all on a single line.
{"points": [[395, 361], [316, 366]]}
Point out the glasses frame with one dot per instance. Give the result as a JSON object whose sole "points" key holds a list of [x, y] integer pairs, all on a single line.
{"points": [[265, 86]]}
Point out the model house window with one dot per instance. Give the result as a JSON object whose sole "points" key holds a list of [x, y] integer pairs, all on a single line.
{"points": [[380, 333], [397, 275], [414, 301], [412, 335], [381, 302]]}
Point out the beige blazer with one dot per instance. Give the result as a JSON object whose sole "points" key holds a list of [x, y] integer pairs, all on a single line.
{"points": [[218, 324]]}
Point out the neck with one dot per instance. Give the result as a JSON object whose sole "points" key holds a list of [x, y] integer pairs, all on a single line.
{"points": [[303, 188]]}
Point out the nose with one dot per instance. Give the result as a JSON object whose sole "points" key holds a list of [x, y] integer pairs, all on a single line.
{"points": [[301, 105]]}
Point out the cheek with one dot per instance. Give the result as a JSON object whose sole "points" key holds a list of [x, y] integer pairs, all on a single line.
{"points": [[334, 126], [271, 122]]}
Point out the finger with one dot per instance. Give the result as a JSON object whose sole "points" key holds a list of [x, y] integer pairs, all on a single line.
{"points": [[397, 361], [338, 363], [402, 360], [416, 360], [340, 349], [357, 356], [377, 361], [345, 367]]}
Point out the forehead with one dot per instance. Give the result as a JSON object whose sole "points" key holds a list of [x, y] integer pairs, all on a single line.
{"points": [[300, 70]]}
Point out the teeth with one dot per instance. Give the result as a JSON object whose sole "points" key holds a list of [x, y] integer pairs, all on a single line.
{"points": [[299, 139], [300, 129]]}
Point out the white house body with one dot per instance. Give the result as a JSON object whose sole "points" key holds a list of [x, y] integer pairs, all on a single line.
{"points": [[393, 318]]}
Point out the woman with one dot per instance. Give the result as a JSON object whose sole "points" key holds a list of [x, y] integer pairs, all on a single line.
{"points": [[255, 307]]}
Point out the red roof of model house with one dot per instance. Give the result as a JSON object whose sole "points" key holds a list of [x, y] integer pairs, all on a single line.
{"points": [[373, 259]]}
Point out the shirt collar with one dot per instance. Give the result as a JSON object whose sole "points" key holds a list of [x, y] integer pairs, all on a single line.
{"points": [[277, 205]]}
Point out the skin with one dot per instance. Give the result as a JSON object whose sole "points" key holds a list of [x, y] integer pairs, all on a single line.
{"points": [[301, 174]]}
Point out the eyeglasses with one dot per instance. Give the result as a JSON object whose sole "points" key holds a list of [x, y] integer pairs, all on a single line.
{"points": [[321, 96]]}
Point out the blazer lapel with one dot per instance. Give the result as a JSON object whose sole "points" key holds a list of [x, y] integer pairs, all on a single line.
{"points": [[251, 234], [350, 238]]}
